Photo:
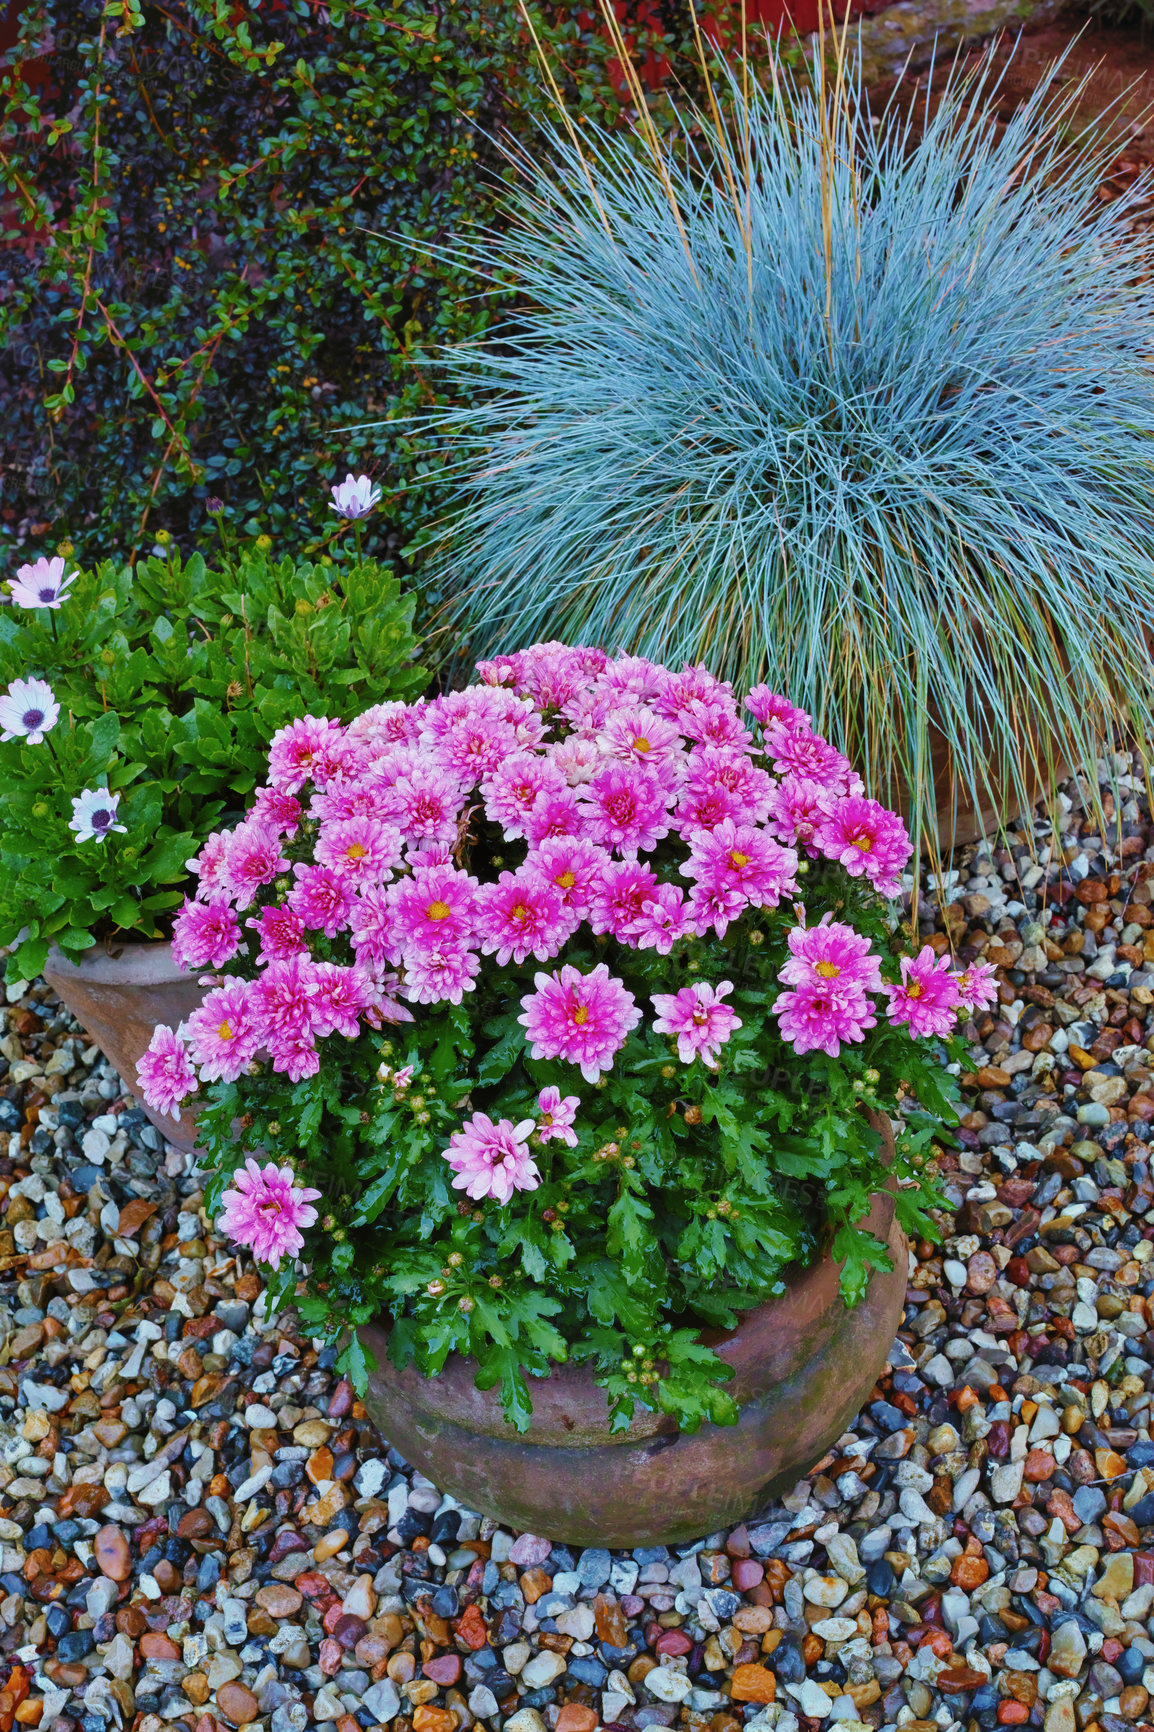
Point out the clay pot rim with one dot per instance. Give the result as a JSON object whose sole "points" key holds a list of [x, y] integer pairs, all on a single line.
{"points": [[138, 962]]}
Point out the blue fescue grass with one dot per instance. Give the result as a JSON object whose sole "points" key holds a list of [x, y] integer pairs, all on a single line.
{"points": [[861, 408]]}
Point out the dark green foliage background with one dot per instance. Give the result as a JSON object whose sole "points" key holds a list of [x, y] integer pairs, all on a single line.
{"points": [[234, 208]]}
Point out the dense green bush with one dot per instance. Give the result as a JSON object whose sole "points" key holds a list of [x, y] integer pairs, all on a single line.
{"points": [[237, 227], [170, 681]]}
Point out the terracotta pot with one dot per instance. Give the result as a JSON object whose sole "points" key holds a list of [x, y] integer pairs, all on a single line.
{"points": [[118, 998], [803, 1365], [957, 818]]}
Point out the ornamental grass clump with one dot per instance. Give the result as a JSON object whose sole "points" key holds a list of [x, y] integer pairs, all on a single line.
{"points": [[857, 405], [551, 1019]]}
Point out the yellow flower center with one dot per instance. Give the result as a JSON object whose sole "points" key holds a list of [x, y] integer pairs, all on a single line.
{"points": [[224, 1031], [913, 990], [641, 744], [581, 1015], [827, 970], [736, 859], [355, 851], [438, 910], [520, 912], [864, 842], [566, 880]]}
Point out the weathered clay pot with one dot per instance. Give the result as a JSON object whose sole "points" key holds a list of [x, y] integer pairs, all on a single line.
{"points": [[958, 819], [803, 1365], [118, 998]]}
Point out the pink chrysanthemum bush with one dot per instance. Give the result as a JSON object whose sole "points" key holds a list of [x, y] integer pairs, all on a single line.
{"points": [[546, 1017]]}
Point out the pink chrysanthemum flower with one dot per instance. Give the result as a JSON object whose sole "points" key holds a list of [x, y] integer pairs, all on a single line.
{"points": [[474, 749], [977, 986], [205, 934], [798, 752], [253, 859], [304, 751], [276, 811], [341, 999], [578, 759], [370, 925], [664, 919], [769, 708], [352, 799], [634, 676], [282, 999], [927, 998], [626, 809], [797, 808], [555, 1115], [711, 767], [388, 724], [522, 915], [551, 673], [691, 685], [322, 899], [738, 866], [832, 957], [698, 1018], [589, 710], [492, 1160], [867, 840], [280, 933], [164, 1073], [502, 670], [641, 736], [704, 808], [442, 974], [574, 867], [210, 865], [361, 851], [619, 899], [715, 723], [265, 1210], [582, 1018], [517, 787], [554, 815], [816, 1019], [223, 1034], [436, 906], [294, 1054], [426, 806]]}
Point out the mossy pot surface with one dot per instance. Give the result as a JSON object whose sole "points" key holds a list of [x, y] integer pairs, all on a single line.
{"points": [[118, 996], [803, 1365]]}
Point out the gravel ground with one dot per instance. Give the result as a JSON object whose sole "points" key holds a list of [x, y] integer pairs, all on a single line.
{"points": [[200, 1528]]}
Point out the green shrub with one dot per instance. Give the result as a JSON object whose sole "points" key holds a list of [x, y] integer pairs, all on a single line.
{"points": [[244, 251], [171, 679]]}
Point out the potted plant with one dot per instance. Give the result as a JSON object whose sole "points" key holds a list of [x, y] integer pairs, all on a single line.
{"points": [[563, 1060], [136, 705], [859, 405]]}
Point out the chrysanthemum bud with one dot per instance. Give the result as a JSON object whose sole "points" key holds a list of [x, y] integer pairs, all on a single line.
{"points": [[435, 1289]]}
